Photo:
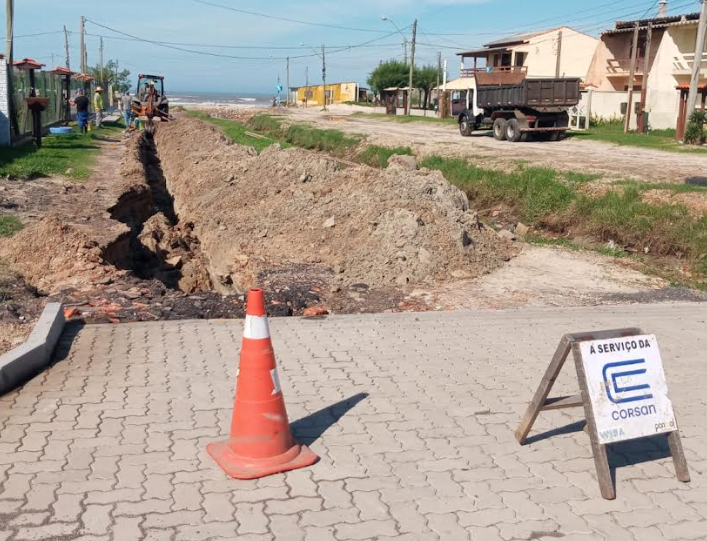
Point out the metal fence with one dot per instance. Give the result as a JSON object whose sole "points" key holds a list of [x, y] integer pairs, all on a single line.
{"points": [[47, 85]]}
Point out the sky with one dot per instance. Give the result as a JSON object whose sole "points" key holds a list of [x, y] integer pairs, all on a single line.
{"points": [[205, 46]]}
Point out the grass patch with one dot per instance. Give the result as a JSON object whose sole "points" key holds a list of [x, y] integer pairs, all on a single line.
{"points": [[377, 156], [656, 139], [266, 123], [334, 142], [545, 241], [59, 153], [9, 225], [236, 131], [579, 178], [541, 198], [673, 187], [535, 192], [404, 119]]}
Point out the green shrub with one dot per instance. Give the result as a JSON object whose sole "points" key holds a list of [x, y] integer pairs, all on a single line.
{"points": [[694, 130]]}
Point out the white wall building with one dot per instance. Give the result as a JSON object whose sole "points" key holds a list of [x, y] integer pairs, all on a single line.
{"points": [[535, 54], [4, 104], [672, 55]]}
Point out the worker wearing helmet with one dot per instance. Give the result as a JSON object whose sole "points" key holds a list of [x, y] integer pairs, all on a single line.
{"points": [[98, 105]]}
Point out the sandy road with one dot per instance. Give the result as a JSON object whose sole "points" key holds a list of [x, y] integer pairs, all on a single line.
{"points": [[611, 161]]}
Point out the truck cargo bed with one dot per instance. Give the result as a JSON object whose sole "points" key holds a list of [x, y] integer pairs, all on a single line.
{"points": [[531, 93]]}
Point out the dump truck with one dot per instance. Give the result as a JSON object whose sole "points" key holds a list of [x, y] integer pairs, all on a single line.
{"points": [[516, 107]]}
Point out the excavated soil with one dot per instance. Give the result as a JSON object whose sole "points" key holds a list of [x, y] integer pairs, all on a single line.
{"points": [[289, 211], [180, 226]]}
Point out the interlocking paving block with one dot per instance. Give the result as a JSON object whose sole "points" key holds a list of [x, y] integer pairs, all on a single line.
{"points": [[412, 415]]}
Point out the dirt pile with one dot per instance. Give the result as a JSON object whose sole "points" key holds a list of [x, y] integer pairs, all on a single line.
{"points": [[295, 209], [52, 252], [239, 114]]}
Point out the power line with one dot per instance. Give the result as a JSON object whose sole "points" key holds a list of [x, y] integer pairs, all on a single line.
{"points": [[650, 8], [193, 51], [221, 46], [286, 19], [220, 55], [594, 10]]}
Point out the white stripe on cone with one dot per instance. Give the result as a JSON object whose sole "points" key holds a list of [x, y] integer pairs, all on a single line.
{"points": [[256, 327]]}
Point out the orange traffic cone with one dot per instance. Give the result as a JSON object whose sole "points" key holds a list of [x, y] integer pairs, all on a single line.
{"points": [[261, 442]]}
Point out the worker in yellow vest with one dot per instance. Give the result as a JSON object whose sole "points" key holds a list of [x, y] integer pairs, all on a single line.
{"points": [[98, 105]]}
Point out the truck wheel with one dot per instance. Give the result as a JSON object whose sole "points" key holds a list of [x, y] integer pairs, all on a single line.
{"points": [[554, 136], [465, 126], [499, 129], [513, 133]]}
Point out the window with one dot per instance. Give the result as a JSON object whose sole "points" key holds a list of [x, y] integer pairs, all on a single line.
{"points": [[641, 46], [520, 59]]}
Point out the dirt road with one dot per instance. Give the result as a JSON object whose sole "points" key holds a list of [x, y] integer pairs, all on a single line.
{"points": [[611, 161]]}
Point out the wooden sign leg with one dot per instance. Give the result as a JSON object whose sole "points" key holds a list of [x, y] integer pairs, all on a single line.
{"points": [[675, 444], [601, 459], [563, 350]]}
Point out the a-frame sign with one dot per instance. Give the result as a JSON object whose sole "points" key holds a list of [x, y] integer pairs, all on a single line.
{"points": [[622, 390]]}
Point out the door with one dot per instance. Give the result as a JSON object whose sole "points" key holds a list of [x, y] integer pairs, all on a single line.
{"points": [[458, 101]]}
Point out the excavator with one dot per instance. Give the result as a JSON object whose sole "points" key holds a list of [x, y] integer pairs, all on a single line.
{"points": [[150, 101]]}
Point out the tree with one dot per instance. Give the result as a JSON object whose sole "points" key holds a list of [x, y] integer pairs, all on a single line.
{"points": [[391, 73], [121, 83], [425, 78]]}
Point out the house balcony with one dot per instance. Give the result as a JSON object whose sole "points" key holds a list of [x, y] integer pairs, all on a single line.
{"points": [[621, 67], [684, 63], [471, 72]]}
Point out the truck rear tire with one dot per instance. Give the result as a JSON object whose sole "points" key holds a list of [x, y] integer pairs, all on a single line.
{"points": [[465, 126], [513, 133], [499, 129], [554, 136]]}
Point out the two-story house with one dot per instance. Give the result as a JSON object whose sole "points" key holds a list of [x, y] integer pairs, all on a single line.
{"points": [[668, 67], [537, 54]]}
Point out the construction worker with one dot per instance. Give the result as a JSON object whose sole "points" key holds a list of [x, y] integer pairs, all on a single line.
{"points": [[98, 105], [126, 104], [81, 103]]}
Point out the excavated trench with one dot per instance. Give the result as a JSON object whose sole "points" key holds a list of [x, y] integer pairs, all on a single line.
{"points": [[162, 248], [157, 246]]}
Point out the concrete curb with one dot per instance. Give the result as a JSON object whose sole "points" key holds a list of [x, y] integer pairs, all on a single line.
{"points": [[23, 362]]}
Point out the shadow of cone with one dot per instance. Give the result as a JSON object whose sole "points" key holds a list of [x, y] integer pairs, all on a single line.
{"points": [[261, 441]]}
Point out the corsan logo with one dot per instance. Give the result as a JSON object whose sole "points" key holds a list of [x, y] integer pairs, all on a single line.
{"points": [[620, 393]]}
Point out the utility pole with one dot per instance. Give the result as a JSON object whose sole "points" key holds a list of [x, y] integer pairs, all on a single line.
{"points": [[324, 77], [697, 61], [82, 31], [288, 81], [439, 72], [631, 78], [9, 40], [9, 36], [412, 66], [559, 54], [66, 49], [100, 64], [644, 82]]}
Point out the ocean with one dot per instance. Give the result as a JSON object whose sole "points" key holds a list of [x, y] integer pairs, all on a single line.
{"points": [[212, 99]]}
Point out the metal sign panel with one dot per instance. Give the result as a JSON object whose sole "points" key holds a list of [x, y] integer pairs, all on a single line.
{"points": [[627, 388]]}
